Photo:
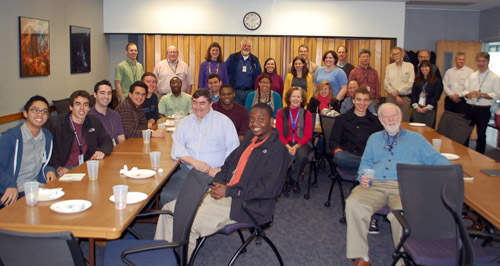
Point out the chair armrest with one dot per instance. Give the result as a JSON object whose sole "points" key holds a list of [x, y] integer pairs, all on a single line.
{"points": [[155, 213], [406, 231], [148, 247], [254, 220], [483, 234]]}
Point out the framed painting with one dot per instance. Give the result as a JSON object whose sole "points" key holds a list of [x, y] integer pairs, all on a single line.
{"points": [[34, 47], [79, 39]]}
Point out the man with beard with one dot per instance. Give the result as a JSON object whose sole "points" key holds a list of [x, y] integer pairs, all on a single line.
{"points": [[384, 150], [175, 101], [235, 111]]}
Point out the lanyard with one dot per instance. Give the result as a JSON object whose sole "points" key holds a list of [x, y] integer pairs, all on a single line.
{"points": [[294, 122], [209, 68], [176, 65], [479, 80], [76, 135]]}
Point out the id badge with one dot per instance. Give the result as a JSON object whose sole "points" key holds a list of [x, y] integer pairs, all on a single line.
{"points": [[368, 88], [114, 142], [80, 159], [421, 100], [244, 69]]}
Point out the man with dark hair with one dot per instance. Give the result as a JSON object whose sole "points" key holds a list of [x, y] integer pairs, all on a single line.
{"points": [[109, 117], [201, 141], [25, 151], [366, 76], [304, 53], [348, 102], [130, 110], [255, 170], [78, 137], [214, 84], [235, 111], [174, 101], [150, 104], [342, 63], [128, 71]]}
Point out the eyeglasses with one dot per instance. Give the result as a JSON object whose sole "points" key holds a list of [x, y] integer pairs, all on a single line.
{"points": [[37, 111], [173, 52]]}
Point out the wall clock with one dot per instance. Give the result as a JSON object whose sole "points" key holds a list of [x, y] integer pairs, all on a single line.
{"points": [[252, 20]]}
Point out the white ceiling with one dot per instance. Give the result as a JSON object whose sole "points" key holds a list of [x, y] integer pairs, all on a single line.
{"points": [[444, 4]]}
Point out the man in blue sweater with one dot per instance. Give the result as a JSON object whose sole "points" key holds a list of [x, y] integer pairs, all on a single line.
{"points": [[384, 150]]}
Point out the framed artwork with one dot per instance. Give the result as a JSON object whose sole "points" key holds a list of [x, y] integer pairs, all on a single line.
{"points": [[34, 47], [79, 41]]}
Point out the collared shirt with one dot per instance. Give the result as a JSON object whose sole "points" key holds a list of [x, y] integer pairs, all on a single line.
{"points": [[33, 152], [169, 104], [210, 140], [399, 78], [487, 82], [112, 122], [165, 70], [454, 80], [133, 119], [244, 73], [128, 72], [367, 78]]}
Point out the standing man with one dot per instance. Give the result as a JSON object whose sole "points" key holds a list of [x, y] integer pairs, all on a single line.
{"points": [[454, 85], [342, 63], [384, 150], [235, 111], [171, 67], [201, 141], [78, 137], [174, 101], [304, 53], [214, 83], [399, 77], [25, 151], [128, 71], [109, 117], [243, 69], [366, 76], [482, 88]]}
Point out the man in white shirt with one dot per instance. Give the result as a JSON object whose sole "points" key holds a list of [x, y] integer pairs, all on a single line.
{"points": [[171, 67], [482, 88], [454, 80], [399, 77]]}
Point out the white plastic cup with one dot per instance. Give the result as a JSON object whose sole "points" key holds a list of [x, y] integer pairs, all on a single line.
{"points": [[93, 169], [120, 192], [436, 143], [370, 174], [31, 193], [146, 135], [161, 126], [155, 159]]}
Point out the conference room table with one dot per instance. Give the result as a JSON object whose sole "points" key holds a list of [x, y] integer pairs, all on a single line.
{"points": [[102, 220]]}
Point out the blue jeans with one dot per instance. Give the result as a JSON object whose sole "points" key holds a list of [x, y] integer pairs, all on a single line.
{"points": [[347, 161], [241, 96]]}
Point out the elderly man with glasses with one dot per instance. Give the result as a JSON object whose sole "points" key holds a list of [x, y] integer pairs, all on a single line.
{"points": [[171, 67]]}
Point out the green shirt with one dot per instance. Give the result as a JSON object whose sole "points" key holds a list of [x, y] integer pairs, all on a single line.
{"points": [[170, 104], [128, 72]]}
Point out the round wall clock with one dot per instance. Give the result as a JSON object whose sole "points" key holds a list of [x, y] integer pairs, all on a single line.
{"points": [[252, 20]]}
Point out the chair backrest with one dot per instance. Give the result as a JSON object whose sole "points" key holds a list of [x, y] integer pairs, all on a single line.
{"points": [[454, 126], [190, 196], [62, 106], [327, 123], [20, 249], [420, 190]]}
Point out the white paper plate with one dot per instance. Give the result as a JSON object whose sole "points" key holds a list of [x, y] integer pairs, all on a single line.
{"points": [[49, 194], [170, 116], [450, 156], [169, 123], [71, 206], [414, 124], [171, 129], [140, 173], [132, 197]]}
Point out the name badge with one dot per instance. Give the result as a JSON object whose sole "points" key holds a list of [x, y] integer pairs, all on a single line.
{"points": [[368, 88], [114, 142], [244, 69], [421, 100], [44, 157], [80, 159]]}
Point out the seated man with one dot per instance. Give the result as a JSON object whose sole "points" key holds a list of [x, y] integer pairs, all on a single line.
{"points": [[235, 111], [175, 101], [201, 141], [255, 170], [214, 84], [351, 131], [78, 137], [384, 150], [130, 110], [109, 117], [150, 104], [25, 151], [348, 103]]}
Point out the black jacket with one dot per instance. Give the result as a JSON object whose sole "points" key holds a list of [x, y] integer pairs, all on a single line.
{"points": [[432, 93]]}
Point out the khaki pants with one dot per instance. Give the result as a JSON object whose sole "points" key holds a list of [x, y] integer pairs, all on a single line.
{"points": [[405, 107]]}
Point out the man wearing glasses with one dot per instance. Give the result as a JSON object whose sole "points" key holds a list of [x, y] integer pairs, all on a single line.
{"points": [[25, 152], [171, 67]]}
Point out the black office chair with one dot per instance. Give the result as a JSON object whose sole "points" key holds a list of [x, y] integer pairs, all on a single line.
{"points": [[62, 106], [455, 127], [156, 252], [26, 249]]}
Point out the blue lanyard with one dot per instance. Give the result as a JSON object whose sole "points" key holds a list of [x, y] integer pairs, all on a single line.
{"points": [[479, 80], [294, 122]]}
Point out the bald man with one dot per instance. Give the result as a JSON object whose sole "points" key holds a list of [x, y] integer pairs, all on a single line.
{"points": [[171, 67]]}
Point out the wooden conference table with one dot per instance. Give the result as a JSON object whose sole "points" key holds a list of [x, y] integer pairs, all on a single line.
{"points": [[101, 220]]}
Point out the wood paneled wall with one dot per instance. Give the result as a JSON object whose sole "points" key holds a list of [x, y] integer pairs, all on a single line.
{"points": [[192, 49]]}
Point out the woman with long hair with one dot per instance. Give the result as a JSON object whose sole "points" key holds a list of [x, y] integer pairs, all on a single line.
{"points": [[264, 94], [213, 64], [299, 77], [323, 99], [276, 79], [331, 73], [425, 94]]}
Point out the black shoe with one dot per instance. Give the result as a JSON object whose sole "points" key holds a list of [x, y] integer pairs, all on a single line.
{"points": [[296, 188], [373, 229]]}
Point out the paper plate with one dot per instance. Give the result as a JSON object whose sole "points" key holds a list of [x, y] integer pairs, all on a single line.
{"points": [[49, 194], [414, 124], [169, 123], [140, 173], [71, 206], [450, 156], [171, 129], [132, 197]]}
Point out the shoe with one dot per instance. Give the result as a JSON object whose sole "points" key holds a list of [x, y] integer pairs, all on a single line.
{"points": [[361, 262], [296, 188], [373, 229]]}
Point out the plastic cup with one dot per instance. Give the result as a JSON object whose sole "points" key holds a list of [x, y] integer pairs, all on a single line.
{"points": [[161, 126], [93, 169], [31, 193], [155, 159], [436, 143], [146, 135], [120, 192], [370, 174]]}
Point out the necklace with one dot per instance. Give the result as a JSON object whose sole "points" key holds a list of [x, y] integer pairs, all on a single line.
{"points": [[210, 66]]}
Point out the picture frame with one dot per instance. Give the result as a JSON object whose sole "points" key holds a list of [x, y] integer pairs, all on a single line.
{"points": [[79, 39], [34, 47]]}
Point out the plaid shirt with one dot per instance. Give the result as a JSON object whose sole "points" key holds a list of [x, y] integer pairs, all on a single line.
{"points": [[367, 78]]}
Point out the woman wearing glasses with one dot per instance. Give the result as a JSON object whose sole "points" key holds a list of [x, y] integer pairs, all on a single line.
{"points": [[264, 94]]}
